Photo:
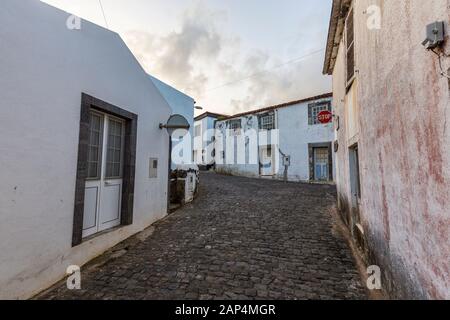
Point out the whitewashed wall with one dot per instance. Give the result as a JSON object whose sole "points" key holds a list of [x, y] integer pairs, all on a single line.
{"points": [[44, 69], [248, 169], [294, 136], [180, 104], [201, 143]]}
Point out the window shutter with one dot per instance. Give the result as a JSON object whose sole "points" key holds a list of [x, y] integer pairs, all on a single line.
{"points": [[350, 44]]}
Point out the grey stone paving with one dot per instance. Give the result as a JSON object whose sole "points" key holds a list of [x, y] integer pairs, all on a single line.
{"points": [[241, 239]]}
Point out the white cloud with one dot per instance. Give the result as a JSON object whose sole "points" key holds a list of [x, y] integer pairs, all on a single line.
{"points": [[200, 56]]}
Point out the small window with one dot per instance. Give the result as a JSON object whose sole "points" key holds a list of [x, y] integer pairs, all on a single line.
{"points": [[350, 46], [198, 130], [269, 151], [267, 121], [235, 127], [153, 168], [315, 109], [114, 157], [95, 146]]}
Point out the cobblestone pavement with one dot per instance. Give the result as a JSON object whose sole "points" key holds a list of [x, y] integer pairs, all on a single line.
{"points": [[241, 239]]}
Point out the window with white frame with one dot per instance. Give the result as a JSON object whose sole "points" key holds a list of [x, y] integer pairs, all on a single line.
{"points": [[315, 109], [95, 146], [235, 127], [267, 121], [114, 157]]}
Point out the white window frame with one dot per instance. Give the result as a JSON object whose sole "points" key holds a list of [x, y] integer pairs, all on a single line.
{"points": [[267, 121], [235, 127], [316, 109], [122, 148]]}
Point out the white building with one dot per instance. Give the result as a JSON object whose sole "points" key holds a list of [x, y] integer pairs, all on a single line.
{"points": [[299, 147], [180, 104], [83, 161], [204, 139]]}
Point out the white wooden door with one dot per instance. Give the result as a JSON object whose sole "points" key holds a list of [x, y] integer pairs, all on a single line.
{"points": [[103, 189]]}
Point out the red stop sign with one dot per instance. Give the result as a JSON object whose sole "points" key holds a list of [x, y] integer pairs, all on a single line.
{"points": [[325, 117]]}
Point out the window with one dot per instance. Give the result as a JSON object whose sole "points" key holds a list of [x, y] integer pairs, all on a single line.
{"points": [[235, 127], [267, 121], [314, 109], [115, 148], [354, 172], [350, 46], [153, 168], [269, 151], [95, 146], [198, 130]]}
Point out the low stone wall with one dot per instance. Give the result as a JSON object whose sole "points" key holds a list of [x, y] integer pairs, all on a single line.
{"points": [[184, 185]]}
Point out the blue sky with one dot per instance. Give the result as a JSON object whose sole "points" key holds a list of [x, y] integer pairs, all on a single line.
{"points": [[229, 55]]}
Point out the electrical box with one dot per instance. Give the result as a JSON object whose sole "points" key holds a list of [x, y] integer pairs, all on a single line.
{"points": [[435, 35], [153, 168]]}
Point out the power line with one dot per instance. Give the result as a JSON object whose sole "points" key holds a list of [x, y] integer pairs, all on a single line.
{"points": [[103, 12], [267, 70]]}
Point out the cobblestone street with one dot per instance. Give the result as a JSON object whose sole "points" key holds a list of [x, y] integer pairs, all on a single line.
{"points": [[241, 239]]}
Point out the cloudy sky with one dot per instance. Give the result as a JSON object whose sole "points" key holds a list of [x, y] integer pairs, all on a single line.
{"points": [[229, 55]]}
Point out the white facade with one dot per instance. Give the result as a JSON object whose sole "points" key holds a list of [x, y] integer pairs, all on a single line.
{"points": [[299, 140], [180, 104], [204, 138], [45, 68]]}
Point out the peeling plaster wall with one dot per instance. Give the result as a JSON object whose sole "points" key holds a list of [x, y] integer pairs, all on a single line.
{"points": [[404, 141]]}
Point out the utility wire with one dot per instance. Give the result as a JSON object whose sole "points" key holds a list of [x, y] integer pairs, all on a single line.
{"points": [[443, 73], [103, 12], [267, 70]]}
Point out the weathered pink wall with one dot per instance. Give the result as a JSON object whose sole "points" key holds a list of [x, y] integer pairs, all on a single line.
{"points": [[404, 142]]}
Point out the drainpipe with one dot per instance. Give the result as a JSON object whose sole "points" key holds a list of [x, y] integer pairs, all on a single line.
{"points": [[286, 167]]}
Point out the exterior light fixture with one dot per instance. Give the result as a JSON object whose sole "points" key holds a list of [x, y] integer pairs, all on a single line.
{"points": [[175, 122]]}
